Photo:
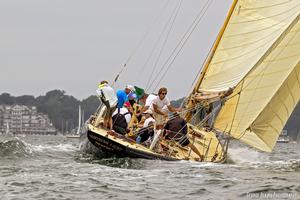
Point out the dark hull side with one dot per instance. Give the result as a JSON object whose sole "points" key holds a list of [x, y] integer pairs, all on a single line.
{"points": [[119, 150]]}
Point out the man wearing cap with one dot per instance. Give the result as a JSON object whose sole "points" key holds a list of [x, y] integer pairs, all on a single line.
{"points": [[147, 130], [130, 91], [109, 99]]}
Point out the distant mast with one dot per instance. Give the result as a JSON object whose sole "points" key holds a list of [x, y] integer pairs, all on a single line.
{"points": [[7, 128], [82, 118], [79, 120]]}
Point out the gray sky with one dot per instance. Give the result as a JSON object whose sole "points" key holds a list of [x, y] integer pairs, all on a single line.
{"points": [[72, 45]]}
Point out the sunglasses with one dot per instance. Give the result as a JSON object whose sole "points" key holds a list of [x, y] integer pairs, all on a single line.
{"points": [[163, 93]]}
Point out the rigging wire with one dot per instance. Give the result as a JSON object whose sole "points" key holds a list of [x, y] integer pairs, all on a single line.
{"points": [[182, 42], [156, 43], [198, 74], [174, 16], [143, 38]]}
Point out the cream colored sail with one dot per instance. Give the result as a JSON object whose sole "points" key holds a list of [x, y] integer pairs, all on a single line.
{"points": [[259, 56], [268, 95], [252, 29]]}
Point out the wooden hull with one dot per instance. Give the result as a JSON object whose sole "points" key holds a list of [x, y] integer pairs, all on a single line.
{"points": [[117, 145], [120, 150]]}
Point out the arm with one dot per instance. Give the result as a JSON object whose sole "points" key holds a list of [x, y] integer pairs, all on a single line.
{"points": [[173, 109], [144, 109], [158, 111]]}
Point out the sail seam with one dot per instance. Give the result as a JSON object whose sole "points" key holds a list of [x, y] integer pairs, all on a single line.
{"points": [[265, 18], [291, 94], [260, 30], [275, 44], [253, 42], [296, 74], [215, 45], [269, 6], [245, 54]]}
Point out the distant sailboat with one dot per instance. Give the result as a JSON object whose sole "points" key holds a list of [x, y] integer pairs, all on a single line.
{"points": [[7, 130], [283, 137], [80, 127]]}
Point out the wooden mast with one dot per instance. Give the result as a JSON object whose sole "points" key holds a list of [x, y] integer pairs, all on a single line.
{"points": [[216, 44]]}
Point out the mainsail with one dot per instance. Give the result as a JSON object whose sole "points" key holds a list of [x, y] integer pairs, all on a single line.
{"points": [[257, 55]]}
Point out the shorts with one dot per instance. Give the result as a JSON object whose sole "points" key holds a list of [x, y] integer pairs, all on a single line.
{"points": [[159, 119], [108, 110]]}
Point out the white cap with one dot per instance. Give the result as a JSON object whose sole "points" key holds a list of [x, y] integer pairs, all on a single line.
{"points": [[130, 87]]}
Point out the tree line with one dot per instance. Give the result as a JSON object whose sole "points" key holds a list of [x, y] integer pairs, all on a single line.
{"points": [[62, 109]]}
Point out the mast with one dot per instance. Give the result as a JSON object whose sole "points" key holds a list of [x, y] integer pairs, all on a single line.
{"points": [[216, 44], [79, 120], [82, 119], [7, 128]]}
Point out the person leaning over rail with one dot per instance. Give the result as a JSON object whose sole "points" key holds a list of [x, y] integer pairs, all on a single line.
{"points": [[109, 99], [176, 129], [121, 118]]}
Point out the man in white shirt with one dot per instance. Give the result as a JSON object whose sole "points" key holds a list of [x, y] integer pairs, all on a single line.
{"points": [[110, 100], [158, 105]]}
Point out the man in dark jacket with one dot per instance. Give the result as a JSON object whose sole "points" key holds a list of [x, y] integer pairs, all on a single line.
{"points": [[176, 129]]}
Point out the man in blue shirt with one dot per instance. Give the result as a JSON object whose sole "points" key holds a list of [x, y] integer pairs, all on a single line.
{"points": [[122, 98]]}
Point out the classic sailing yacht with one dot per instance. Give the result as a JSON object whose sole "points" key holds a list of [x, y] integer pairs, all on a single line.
{"points": [[250, 84]]}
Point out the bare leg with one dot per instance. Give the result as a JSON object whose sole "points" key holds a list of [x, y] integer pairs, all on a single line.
{"points": [[110, 122], [106, 122]]}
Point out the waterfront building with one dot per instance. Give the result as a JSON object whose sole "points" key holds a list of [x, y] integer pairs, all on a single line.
{"points": [[20, 119]]}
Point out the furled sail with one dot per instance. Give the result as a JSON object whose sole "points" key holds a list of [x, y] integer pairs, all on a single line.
{"points": [[258, 55]]}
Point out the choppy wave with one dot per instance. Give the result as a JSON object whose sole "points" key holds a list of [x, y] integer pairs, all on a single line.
{"points": [[89, 153], [14, 148], [57, 148], [252, 158], [288, 165]]}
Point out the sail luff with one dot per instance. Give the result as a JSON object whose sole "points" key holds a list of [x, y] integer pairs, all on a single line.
{"points": [[190, 102], [216, 44]]}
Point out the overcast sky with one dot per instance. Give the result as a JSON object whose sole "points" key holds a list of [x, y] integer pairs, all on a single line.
{"points": [[72, 45]]}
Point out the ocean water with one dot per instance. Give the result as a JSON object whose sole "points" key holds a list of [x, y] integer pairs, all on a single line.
{"points": [[54, 167]]}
